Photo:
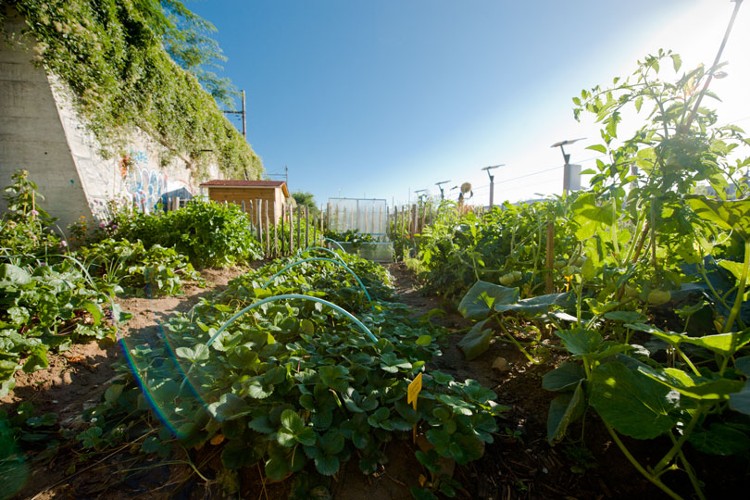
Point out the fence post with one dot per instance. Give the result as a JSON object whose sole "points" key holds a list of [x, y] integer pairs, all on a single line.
{"points": [[275, 231], [258, 213], [291, 229], [307, 227], [268, 232]]}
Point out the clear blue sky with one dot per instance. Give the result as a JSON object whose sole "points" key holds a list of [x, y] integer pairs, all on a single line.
{"points": [[377, 99]]}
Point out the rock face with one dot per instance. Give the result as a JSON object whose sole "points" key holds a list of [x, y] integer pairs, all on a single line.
{"points": [[41, 132]]}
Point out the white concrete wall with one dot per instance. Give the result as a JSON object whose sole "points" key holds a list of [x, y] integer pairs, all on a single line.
{"points": [[41, 132], [32, 136], [138, 173]]}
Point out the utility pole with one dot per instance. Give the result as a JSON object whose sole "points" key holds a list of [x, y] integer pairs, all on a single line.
{"points": [[492, 182], [243, 113]]}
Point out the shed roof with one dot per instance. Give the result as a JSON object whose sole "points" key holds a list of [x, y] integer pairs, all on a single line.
{"points": [[238, 183]]}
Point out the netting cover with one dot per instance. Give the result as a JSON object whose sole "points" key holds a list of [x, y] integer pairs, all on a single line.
{"points": [[366, 216]]}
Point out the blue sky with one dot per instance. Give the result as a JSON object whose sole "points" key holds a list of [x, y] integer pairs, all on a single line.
{"points": [[377, 99]]}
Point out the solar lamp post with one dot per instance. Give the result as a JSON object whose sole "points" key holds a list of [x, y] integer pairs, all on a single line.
{"points": [[440, 186], [566, 157], [492, 182]]}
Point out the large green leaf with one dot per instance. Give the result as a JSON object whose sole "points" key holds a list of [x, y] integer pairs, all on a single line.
{"points": [[722, 343], [198, 353], [11, 275], [580, 341], [694, 387], [732, 215], [740, 401], [479, 301], [539, 304], [229, 407], [476, 341], [733, 267], [564, 410], [632, 403], [590, 216], [327, 465], [720, 439], [565, 376]]}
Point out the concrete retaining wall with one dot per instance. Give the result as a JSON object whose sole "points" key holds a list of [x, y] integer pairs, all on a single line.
{"points": [[41, 132]]}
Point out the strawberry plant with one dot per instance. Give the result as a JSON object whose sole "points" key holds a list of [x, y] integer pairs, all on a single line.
{"points": [[43, 307], [47, 299], [136, 271], [292, 384]]}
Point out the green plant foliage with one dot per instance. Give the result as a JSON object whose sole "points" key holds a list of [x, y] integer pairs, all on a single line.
{"points": [[209, 234], [305, 199], [637, 249], [294, 385], [47, 298], [112, 56], [505, 246], [25, 228], [45, 307], [136, 271]]}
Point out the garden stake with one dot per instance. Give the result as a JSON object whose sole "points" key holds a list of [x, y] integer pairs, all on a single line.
{"points": [[412, 394]]}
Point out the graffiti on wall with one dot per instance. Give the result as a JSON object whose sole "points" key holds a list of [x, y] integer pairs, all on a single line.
{"points": [[143, 185]]}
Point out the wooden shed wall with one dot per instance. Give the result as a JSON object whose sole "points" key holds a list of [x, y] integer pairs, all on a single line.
{"points": [[249, 196]]}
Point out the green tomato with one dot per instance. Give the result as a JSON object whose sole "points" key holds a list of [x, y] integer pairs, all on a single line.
{"points": [[659, 297], [510, 278]]}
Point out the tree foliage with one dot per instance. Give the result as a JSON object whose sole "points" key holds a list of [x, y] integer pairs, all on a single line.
{"points": [[305, 199]]}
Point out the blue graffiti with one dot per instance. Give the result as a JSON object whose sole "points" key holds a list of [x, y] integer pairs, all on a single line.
{"points": [[144, 185]]}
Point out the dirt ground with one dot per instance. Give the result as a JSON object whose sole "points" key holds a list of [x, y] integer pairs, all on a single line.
{"points": [[520, 464]]}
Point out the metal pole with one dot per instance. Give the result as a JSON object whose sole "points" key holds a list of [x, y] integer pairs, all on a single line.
{"points": [[492, 182], [492, 189], [244, 117], [566, 171]]}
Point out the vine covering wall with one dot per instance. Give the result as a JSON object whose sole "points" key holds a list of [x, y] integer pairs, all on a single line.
{"points": [[110, 54]]}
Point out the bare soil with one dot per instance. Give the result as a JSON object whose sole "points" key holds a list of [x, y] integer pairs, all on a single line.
{"points": [[520, 464]]}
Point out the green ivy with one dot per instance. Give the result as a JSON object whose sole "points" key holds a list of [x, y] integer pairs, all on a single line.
{"points": [[111, 54]]}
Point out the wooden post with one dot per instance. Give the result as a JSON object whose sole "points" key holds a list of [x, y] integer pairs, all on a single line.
{"points": [[299, 226], [258, 214], [275, 232], [315, 228], [307, 227], [291, 230], [268, 232], [283, 220]]}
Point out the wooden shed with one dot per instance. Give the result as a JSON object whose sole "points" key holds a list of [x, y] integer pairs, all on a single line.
{"points": [[266, 196]]}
